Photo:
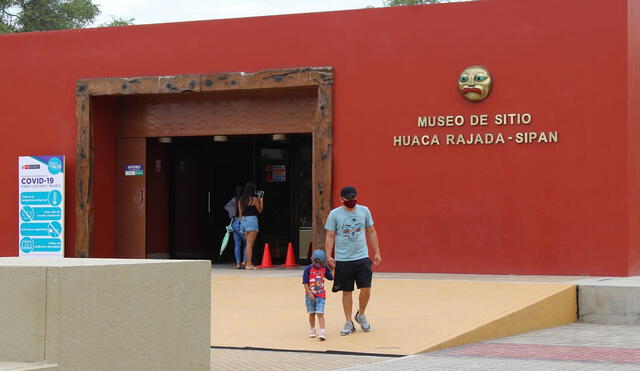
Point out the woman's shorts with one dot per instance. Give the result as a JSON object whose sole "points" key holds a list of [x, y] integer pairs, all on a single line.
{"points": [[249, 223], [316, 306]]}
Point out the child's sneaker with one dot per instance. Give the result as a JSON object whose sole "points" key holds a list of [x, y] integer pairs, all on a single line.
{"points": [[312, 333], [362, 320], [323, 335], [348, 328]]}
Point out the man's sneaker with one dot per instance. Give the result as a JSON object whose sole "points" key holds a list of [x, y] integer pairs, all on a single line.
{"points": [[362, 320], [323, 335], [312, 333], [348, 328]]}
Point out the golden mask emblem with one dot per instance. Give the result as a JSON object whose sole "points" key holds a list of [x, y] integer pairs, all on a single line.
{"points": [[475, 83]]}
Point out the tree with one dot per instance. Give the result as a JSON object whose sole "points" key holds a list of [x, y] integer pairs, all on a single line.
{"points": [[45, 15], [114, 22], [411, 2]]}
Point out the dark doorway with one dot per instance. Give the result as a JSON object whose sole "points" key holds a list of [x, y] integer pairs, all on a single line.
{"points": [[203, 175]]}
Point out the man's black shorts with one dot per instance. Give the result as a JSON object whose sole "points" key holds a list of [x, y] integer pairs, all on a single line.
{"points": [[358, 271]]}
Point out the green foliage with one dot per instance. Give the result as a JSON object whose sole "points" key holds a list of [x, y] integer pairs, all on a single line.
{"points": [[114, 22], [44, 15], [410, 2]]}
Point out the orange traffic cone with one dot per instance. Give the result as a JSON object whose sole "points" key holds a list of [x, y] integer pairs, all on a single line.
{"points": [[266, 257], [291, 260]]}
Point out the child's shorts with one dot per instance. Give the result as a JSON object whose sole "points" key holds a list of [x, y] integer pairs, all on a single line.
{"points": [[316, 306]]}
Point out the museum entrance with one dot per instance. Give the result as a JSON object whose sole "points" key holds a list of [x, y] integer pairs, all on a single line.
{"points": [[200, 175], [165, 159]]}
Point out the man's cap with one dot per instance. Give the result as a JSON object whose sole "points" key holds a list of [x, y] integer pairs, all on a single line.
{"points": [[318, 254], [348, 191]]}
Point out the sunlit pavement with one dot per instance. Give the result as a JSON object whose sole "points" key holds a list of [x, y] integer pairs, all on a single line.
{"points": [[576, 346]]}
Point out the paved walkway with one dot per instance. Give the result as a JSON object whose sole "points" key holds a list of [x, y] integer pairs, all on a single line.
{"points": [[279, 271], [576, 346], [573, 347], [267, 360]]}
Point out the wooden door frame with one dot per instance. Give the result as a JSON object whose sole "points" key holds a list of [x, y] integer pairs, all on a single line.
{"points": [[320, 78]]}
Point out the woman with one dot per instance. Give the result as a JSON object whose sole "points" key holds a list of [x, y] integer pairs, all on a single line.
{"points": [[250, 206], [238, 238]]}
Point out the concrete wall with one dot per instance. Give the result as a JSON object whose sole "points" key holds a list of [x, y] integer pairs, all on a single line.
{"points": [[106, 314], [22, 313]]}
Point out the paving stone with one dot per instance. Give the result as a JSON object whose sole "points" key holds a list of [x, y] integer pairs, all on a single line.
{"points": [[571, 347], [581, 334], [241, 359], [420, 363]]}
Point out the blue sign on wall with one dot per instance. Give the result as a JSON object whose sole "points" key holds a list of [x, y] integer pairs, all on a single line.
{"points": [[134, 170]]}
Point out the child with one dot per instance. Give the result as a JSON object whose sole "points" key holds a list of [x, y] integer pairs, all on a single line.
{"points": [[313, 281]]}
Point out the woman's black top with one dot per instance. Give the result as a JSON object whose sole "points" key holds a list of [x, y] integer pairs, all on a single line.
{"points": [[250, 211]]}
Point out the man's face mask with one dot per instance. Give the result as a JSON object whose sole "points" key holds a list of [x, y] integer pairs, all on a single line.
{"points": [[349, 203]]}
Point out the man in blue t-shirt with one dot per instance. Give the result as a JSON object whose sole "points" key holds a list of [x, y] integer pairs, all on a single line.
{"points": [[345, 229]]}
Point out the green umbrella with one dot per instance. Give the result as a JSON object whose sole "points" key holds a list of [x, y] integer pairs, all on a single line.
{"points": [[225, 239]]}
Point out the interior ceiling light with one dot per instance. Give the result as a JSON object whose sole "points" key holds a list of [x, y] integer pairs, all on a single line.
{"points": [[164, 140], [279, 137], [219, 138]]}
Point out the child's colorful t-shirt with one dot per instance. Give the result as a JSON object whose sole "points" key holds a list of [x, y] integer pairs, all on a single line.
{"points": [[314, 277]]}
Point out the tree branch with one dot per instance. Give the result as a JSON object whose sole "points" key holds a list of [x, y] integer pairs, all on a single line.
{"points": [[9, 14]]}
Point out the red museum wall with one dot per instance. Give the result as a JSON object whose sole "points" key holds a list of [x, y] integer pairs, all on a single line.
{"points": [[633, 135], [545, 208]]}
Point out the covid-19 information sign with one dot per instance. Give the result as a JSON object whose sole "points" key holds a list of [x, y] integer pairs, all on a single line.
{"points": [[41, 206]]}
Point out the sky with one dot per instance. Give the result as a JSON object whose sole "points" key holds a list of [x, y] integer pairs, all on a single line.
{"points": [[161, 11]]}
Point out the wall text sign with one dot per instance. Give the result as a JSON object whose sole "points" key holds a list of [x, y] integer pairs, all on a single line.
{"points": [[438, 134]]}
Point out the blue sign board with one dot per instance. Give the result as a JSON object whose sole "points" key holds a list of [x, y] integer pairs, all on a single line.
{"points": [[41, 206], [134, 170]]}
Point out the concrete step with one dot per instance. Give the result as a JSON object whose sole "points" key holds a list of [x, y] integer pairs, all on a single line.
{"points": [[609, 301], [24, 366]]}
